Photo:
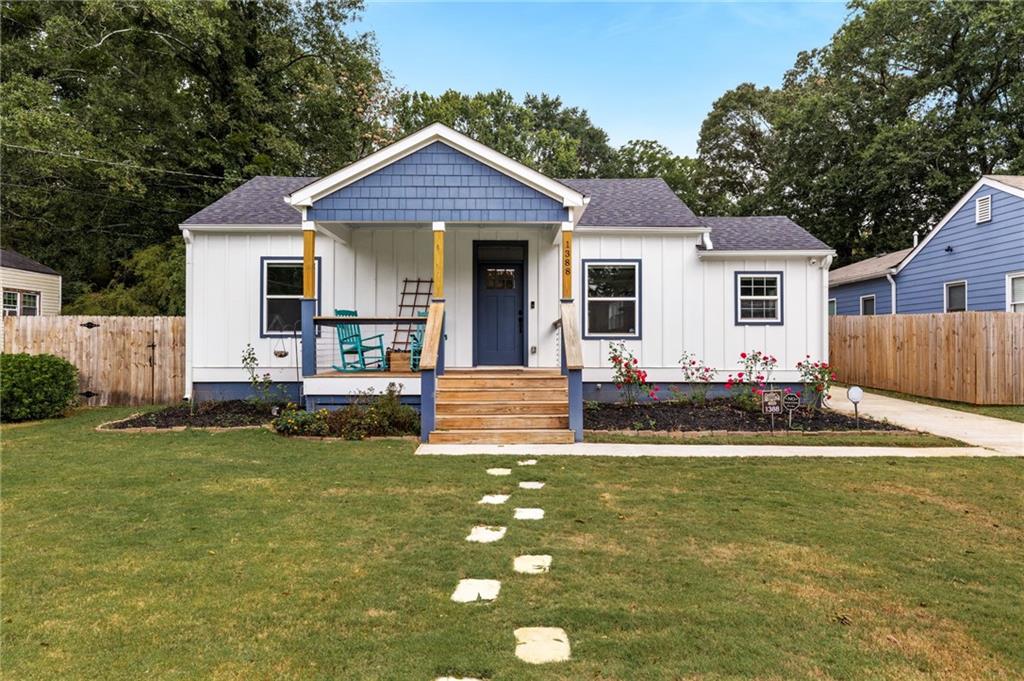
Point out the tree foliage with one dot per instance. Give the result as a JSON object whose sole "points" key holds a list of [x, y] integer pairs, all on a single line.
{"points": [[120, 119]]}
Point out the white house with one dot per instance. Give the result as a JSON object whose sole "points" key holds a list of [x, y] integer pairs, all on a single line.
{"points": [[29, 288], [530, 279]]}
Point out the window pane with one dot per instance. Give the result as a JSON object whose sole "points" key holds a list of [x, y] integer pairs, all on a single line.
{"points": [[1017, 290], [284, 279], [611, 317], [831, 308], [759, 286], [956, 298], [10, 302], [758, 309], [30, 304], [500, 278], [867, 306], [283, 314], [611, 281]]}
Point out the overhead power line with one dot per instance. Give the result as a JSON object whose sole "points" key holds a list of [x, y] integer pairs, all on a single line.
{"points": [[115, 163]]}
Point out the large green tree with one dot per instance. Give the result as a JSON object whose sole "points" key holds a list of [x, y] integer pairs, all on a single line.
{"points": [[878, 133], [122, 118]]}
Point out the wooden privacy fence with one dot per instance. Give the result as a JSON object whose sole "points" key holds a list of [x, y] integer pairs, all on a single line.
{"points": [[975, 357], [120, 360]]}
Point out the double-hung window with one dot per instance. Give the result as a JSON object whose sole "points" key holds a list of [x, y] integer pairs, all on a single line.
{"points": [[867, 305], [1015, 292], [282, 296], [612, 299], [759, 297], [23, 303]]}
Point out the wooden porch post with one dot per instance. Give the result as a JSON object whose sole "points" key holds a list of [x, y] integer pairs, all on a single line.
{"points": [[308, 306], [438, 261], [566, 262]]}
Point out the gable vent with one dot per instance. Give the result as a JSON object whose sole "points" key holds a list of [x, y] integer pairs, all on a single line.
{"points": [[983, 209]]}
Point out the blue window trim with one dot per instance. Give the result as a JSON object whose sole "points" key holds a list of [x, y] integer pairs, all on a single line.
{"points": [[263, 269], [639, 299], [736, 300]]}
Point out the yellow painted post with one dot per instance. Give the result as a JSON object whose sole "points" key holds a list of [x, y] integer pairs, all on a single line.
{"points": [[308, 264], [438, 261], [566, 264]]}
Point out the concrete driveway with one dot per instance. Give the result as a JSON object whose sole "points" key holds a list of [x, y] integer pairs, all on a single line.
{"points": [[1000, 435]]}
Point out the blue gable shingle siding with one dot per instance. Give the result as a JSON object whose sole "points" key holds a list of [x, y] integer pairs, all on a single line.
{"points": [[848, 295], [982, 255], [437, 183]]}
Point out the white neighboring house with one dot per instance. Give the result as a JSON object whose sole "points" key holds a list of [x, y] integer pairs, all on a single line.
{"points": [[29, 288], [533, 277]]}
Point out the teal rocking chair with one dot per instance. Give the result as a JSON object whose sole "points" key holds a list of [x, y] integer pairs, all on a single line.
{"points": [[416, 343], [359, 353]]}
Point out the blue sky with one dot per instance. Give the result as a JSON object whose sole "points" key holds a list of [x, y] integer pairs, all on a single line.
{"points": [[647, 71]]}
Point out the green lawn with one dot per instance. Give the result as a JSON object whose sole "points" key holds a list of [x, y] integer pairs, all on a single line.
{"points": [[243, 555]]}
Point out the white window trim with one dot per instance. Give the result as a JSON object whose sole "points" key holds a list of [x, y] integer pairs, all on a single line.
{"points": [[587, 298], [777, 319], [874, 305], [19, 312], [1010, 276], [264, 296], [980, 201], [945, 294], [832, 310]]}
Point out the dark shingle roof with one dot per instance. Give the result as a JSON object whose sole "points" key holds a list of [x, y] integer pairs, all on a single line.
{"points": [[760, 233], [869, 268], [16, 261], [260, 201], [646, 202]]}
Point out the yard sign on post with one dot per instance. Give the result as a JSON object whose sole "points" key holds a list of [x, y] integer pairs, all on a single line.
{"points": [[771, 404]]}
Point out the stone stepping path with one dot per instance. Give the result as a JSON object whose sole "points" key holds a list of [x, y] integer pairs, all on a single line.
{"points": [[528, 514], [527, 462], [499, 471], [455, 678], [531, 485], [541, 645], [472, 590], [483, 534], [493, 499], [531, 565]]}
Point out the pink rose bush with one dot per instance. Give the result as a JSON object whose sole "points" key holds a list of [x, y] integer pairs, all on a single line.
{"points": [[698, 374], [817, 378], [628, 377], [755, 378]]}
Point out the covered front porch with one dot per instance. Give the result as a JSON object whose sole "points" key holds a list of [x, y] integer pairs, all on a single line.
{"points": [[490, 240]]}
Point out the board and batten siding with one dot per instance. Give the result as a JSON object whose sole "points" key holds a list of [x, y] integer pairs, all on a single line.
{"points": [[982, 255], [47, 285], [688, 303], [848, 296]]}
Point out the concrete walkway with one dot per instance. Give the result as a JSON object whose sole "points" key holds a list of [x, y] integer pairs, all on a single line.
{"points": [[701, 451], [1000, 435]]}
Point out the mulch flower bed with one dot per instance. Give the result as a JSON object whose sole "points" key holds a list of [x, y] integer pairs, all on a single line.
{"points": [[718, 415], [229, 414]]}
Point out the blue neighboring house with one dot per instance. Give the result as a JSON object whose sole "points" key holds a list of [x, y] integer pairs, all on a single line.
{"points": [[972, 260]]}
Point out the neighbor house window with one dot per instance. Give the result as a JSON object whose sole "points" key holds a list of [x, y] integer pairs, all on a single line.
{"points": [[23, 303], [956, 296], [282, 296], [867, 305], [832, 307], [758, 297], [1015, 292], [612, 299]]}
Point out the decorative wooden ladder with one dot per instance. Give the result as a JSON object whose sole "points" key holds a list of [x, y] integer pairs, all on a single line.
{"points": [[502, 406], [415, 299]]}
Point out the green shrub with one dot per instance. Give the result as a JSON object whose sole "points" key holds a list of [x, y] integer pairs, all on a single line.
{"points": [[298, 422], [36, 386], [372, 415]]}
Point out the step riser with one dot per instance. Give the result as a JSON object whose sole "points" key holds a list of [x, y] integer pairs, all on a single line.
{"points": [[497, 437], [499, 408], [501, 422], [453, 383], [501, 395]]}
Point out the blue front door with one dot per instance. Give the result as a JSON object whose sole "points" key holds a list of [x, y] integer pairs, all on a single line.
{"points": [[499, 314]]}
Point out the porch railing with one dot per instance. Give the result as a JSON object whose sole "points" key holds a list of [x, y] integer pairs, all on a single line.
{"points": [[328, 352], [431, 365]]}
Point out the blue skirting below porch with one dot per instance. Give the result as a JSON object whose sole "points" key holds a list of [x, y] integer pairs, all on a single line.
{"points": [[210, 392], [332, 402]]}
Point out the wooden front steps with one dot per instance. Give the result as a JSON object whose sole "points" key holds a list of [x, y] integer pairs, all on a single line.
{"points": [[502, 406]]}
